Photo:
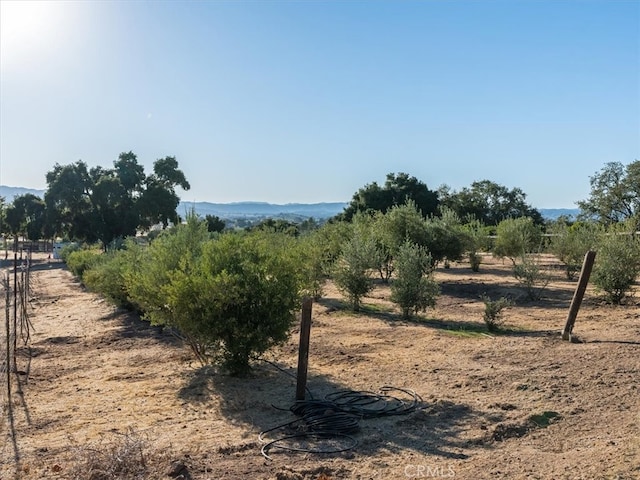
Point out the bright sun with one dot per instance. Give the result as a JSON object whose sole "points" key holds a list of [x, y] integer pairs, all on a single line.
{"points": [[27, 29]]}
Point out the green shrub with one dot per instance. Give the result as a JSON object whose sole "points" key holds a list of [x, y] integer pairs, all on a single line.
{"points": [[231, 298], [617, 265], [313, 266], [531, 277], [570, 244], [81, 260], [477, 240], [517, 237], [107, 277], [414, 288], [68, 249], [352, 270], [475, 259], [493, 315], [446, 240]]}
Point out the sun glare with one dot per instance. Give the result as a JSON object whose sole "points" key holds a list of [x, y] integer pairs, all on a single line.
{"points": [[28, 30]]}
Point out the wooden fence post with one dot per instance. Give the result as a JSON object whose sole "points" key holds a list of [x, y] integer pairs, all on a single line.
{"points": [[303, 351], [585, 273]]}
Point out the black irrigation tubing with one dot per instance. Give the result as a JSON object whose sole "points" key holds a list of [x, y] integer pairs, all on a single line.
{"points": [[337, 416], [277, 443], [371, 405]]}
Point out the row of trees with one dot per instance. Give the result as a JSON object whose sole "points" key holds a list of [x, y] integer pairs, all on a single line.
{"points": [[102, 204], [232, 295], [485, 201], [98, 204]]}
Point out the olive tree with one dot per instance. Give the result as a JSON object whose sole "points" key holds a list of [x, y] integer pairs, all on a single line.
{"points": [[414, 288], [352, 270], [516, 237], [571, 243], [617, 264]]}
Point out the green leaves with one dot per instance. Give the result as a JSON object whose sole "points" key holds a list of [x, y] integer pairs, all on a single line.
{"points": [[615, 194], [105, 204], [516, 237], [617, 264], [397, 190], [231, 297], [414, 288]]}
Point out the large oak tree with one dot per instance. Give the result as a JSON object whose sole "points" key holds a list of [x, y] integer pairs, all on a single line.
{"points": [[489, 203], [397, 190], [615, 194], [99, 204]]}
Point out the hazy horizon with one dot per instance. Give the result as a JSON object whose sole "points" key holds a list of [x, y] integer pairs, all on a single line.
{"points": [[345, 202]]}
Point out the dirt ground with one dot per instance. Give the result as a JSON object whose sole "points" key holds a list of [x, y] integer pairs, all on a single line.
{"points": [[97, 386]]}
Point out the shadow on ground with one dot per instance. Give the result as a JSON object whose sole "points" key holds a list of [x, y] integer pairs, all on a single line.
{"points": [[263, 401]]}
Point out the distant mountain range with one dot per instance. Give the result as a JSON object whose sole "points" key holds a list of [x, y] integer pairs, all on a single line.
{"points": [[10, 192], [263, 210], [260, 210], [555, 213]]}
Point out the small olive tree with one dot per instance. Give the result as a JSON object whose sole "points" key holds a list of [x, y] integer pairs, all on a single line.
{"points": [[390, 231], [532, 276], [493, 314], [477, 238], [571, 243], [617, 264], [517, 237], [414, 288], [352, 270]]}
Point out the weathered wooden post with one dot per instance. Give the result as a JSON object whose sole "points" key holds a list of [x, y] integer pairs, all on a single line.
{"points": [[7, 326], [303, 350], [585, 273]]}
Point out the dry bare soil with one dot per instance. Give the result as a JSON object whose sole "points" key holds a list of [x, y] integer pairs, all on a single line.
{"points": [[99, 391]]}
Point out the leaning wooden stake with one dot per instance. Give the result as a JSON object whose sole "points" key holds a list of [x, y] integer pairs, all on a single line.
{"points": [[585, 273], [303, 351]]}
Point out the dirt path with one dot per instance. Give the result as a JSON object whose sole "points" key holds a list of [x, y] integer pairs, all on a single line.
{"points": [[522, 404]]}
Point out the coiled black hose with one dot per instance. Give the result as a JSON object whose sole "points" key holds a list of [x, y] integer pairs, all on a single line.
{"points": [[333, 419]]}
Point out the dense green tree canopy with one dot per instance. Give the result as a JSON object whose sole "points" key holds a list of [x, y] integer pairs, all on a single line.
{"points": [[214, 223], [615, 194], [397, 190], [105, 204], [488, 202], [26, 216]]}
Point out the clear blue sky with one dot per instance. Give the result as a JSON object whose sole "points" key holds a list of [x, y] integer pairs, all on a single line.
{"points": [[307, 101]]}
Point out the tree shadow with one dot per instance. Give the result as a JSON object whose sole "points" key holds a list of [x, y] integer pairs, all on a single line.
{"points": [[263, 401], [374, 310], [18, 380], [619, 342], [48, 265], [484, 271], [132, 326], [468, 328], [549, 297]]}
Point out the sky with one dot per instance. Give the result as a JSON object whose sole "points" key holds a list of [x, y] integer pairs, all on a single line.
{"points": [[308, 101]]}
